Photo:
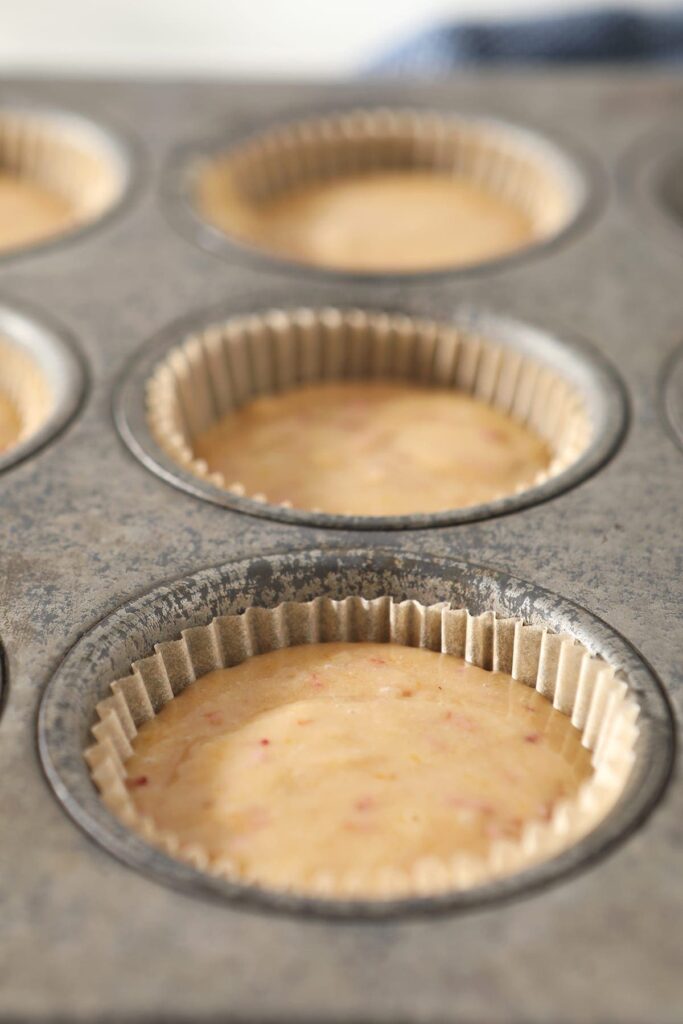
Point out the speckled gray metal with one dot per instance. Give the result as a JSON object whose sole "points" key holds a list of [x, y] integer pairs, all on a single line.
{"points": [[85, 527], [591, 376]]}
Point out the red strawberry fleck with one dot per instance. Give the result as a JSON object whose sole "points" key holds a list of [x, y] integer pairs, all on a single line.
{"points": [[139, 780], [472, 804], [264, 742], [533, 737], [462, 721]]}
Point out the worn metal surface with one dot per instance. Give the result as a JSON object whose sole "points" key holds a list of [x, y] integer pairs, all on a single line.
{"points": [[85, 527]]}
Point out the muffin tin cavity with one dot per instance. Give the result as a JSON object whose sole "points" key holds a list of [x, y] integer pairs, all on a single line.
{"points": [[190, 378], [59, 173], [41, 383], [652, 174], [562, 633], [380, 191]]}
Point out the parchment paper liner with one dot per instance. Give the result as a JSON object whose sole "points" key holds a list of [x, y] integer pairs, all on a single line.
{"points": [[224, 366], [65, 161], [508, 162], [580, 685], [24, 383]]}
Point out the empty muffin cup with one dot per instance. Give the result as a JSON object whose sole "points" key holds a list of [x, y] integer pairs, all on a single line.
{"points": [[420, 749], [388, 191], [58, 173], [347, 413]]}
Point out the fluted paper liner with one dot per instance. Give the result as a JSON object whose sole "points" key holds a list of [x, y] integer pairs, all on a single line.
{"points": [[25, 386], [507, 162], [580, 685], [222, 367], [57, 155]]}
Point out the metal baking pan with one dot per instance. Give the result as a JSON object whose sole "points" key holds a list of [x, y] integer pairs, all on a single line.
{"points": [[99, 556]]}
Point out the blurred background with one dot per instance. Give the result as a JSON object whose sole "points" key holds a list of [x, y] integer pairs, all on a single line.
{"points": [[305, 38]]}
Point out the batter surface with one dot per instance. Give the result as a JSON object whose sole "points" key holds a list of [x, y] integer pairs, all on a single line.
{"points": [[10, 423], [30, 213], [341, 756], [398, 220], [373, 448]]}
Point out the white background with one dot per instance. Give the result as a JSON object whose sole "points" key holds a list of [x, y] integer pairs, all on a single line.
{"points": [[232, 37]]}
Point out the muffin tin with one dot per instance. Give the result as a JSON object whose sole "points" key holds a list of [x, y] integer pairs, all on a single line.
{"points": [[102, 558]]}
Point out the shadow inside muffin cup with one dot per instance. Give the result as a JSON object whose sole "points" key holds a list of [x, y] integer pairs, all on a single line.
{"points": [[59, 174], [382, 191], [562, 393]]}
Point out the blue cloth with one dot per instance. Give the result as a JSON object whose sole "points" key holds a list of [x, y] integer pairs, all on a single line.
{"points": [[601, 35]]}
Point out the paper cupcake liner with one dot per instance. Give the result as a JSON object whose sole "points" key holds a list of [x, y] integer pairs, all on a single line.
{"points": [[24, 385], [56, 155], [509, 163], [584, 687], [224, 366]]}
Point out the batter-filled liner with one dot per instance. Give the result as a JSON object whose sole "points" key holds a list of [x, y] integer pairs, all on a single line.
{"points": [[381, 191], [55, 177], [561, 669], [220, 369], [26, 398]]}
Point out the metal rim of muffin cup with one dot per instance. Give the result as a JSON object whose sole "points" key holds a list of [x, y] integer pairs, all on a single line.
{"points": [[671, 387], [583, 367], [53, 352], [67, 710], [582, 176], [100, 137]]}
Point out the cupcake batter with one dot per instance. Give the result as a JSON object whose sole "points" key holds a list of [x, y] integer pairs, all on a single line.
{"points": [[373, 448], [29, 212], [338, 757], [388, 221], [10, 423]]}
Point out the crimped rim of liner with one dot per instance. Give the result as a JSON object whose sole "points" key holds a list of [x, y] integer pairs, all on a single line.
{"points": [[24, 384], [63, 157], [217, 370], [579, 684], [512, 163]]}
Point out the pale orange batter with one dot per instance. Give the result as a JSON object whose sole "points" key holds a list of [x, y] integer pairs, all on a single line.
{"points": [[393, 220], [332, 757], [30, 212], [10, 423], [373, 448]]}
